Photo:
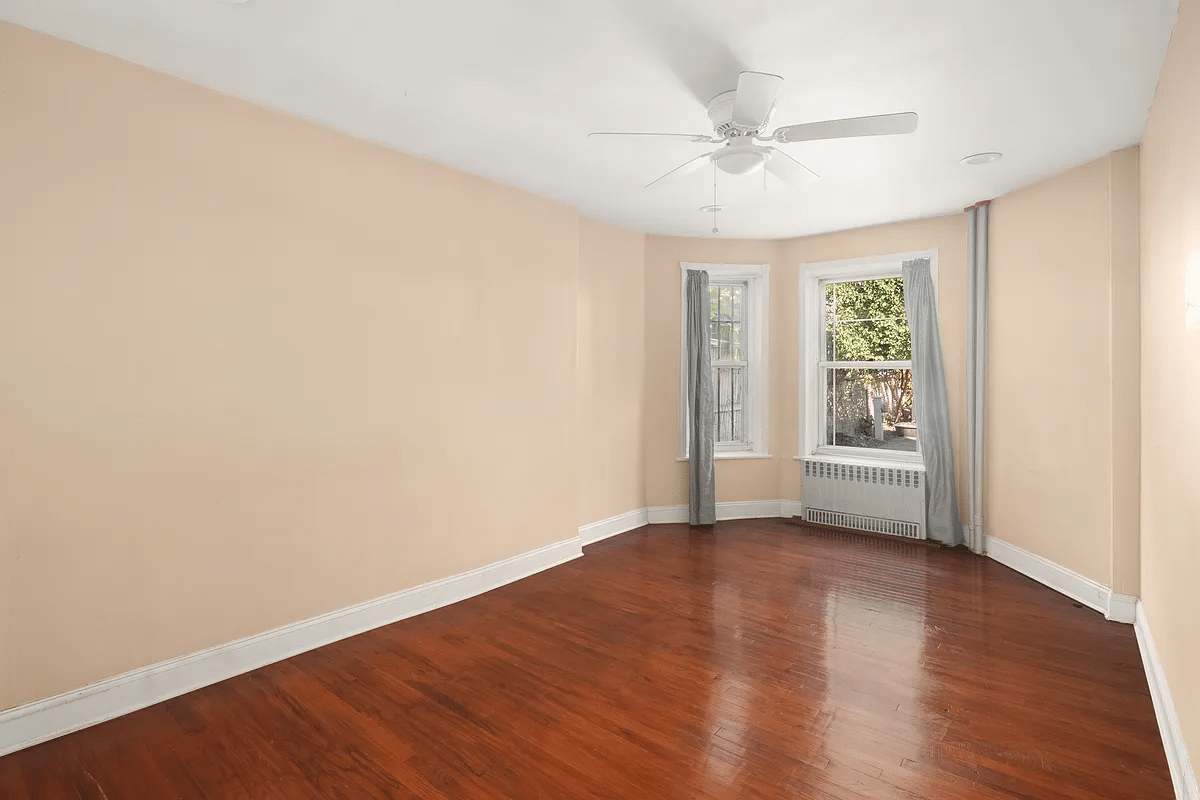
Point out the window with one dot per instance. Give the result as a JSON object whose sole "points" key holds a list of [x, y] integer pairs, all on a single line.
{"points": [[858, 397], [729, 358], [738, 356]]}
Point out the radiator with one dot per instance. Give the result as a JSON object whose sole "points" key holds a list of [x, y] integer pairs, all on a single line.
{"points": [[887, 500]]}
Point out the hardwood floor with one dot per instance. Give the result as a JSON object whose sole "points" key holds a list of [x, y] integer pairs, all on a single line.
{"points": [[764, 660]]}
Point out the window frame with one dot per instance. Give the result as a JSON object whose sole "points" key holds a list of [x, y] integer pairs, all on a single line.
{"points": [[756, 304], [811, 334]]}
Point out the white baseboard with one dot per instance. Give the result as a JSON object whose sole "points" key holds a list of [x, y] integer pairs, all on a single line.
{"points": [[753, 509], [1122, 608], [1182, 774], [656, 515], [1116, 607], [621, 523], [30, 724], [746, 509], [791, 508]]}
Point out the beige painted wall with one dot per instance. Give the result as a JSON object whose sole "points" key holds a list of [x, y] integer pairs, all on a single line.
{"points": [[610, 372], [7, 579], [1125, 362], [949, 236], [779, 476], [1170, 481], [1058, 337], [254, 370], [666, 476]]}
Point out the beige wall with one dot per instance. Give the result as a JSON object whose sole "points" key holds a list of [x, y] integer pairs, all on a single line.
{"points": [[7, 579], [1057, 339], [666, 476], [779, 476], [1170, 481], [1125, 362], [610, 372], [254, 370]]}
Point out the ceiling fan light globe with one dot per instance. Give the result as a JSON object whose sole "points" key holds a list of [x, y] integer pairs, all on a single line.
{"points": [[740, 162]]}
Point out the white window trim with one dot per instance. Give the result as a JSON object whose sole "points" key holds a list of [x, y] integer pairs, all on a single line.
{"points": [[811, 303], [756, 413]]}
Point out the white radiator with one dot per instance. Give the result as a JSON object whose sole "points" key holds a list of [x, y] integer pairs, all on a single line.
{"points": [[864, 498]]}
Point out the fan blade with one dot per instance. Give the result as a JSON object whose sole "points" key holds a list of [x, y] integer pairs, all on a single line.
{"points": [[882, 125], [691, 137], [686, 168], [755, 96], [788, 169]]}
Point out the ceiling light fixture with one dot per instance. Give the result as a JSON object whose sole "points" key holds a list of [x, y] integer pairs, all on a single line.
{"points": [[741, 156], [739, 163], [713, 207], [982, 158]]}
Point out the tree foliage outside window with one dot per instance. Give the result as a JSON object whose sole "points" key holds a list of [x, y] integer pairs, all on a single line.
{"points": [[865, 321]]}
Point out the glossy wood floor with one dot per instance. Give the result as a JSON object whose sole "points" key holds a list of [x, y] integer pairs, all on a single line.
{"points": [[765, 660]]}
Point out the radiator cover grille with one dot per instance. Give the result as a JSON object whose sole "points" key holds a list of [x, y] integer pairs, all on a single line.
{"points": [[862, 497], [857, 522], [881, 476]]}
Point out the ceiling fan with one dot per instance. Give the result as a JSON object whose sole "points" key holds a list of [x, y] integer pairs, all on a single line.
{"points": [[740, 120]]}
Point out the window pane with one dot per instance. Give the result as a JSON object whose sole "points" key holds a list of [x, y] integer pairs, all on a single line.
{"points": [[714, 328], [830, 322], [716, 299], [870, 408], [727, 342], [864, 321], [871, 340], [726, 322], [726, 301], [726, 326], [728, 388]]}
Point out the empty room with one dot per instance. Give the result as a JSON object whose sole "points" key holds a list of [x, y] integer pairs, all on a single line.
{"points": [[519, 399]]}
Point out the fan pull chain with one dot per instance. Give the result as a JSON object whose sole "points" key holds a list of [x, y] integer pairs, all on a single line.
{"points": [[714, 209]]}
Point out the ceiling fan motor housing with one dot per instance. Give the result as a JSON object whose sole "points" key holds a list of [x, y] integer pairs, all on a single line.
{"points": [[720, 111]]}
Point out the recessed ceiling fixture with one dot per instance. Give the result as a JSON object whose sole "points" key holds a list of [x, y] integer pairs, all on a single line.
{"points": [[982, 158], [712, 207]]}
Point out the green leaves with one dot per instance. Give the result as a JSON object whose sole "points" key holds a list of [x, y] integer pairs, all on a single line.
{"points": [[865, 321]]}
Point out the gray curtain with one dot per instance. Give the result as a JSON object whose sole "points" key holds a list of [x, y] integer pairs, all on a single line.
{"points": [[702, 427], [931, 405]]}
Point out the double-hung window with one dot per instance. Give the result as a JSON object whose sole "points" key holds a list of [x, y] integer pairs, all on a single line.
{"points": [[858, 399], [737, 312], [729, 354]]}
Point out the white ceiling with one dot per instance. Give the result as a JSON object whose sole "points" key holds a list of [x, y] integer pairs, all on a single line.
{"points": [[509, 89]]}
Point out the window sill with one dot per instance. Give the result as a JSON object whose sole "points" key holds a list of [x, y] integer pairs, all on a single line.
{"points": [[866, 461], [735, 455]]}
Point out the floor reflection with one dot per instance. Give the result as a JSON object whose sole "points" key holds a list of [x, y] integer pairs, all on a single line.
{"points": [[761, 659], [874, 637]]}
